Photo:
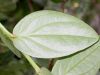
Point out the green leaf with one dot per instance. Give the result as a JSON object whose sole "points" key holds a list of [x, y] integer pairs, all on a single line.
{"points": [[51, 34], [44, 71], [83, 63], [6, 38]]}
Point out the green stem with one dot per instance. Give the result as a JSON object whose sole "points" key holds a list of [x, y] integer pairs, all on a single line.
{"points": [[4, 31], [34, 65], [6, 38]]}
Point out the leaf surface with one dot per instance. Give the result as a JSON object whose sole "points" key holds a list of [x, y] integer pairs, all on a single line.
{"points": [[51, 34], [83, 63]]}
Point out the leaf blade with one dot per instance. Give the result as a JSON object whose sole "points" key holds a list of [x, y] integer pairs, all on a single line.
{"points": [[51, 34], [80, 64]]}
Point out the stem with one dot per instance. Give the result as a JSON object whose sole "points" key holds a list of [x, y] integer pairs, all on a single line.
{"points": [[63, 5], [30, 5], [51, 63], [4, 31], [6, 38], [34, 65]]}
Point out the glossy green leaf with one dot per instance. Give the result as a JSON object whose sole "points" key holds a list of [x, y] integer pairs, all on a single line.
{"points": [[50, 34], [44, 71], [83, 63]]}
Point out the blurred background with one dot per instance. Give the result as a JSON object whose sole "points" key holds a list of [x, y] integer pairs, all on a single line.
{"points": [[11, 11]]}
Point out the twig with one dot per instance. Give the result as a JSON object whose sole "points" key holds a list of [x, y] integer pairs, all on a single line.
{"points": [[50, 64], [63, 5], [30, 5]]}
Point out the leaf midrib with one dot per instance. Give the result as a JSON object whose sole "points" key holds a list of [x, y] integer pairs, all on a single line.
{"points": [[50, 35]]}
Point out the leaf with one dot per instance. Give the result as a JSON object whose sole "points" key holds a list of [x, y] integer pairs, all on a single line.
{"points": [[6, 38], [44, 71], [83, 63], [51, 34]]}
